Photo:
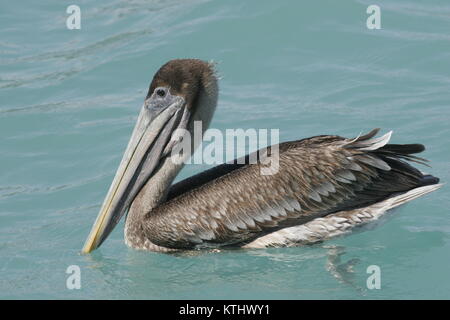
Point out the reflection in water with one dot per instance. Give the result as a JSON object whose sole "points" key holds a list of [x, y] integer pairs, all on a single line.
{"points": [[342, 271]]}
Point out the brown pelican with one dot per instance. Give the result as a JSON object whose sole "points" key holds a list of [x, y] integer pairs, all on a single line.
{"points": [[325, 185]]}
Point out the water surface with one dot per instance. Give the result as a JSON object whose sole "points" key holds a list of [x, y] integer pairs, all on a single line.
{"points": [[69, 99]]}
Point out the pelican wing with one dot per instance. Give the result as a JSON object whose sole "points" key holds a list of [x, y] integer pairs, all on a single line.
{"points": [[317, 176]]}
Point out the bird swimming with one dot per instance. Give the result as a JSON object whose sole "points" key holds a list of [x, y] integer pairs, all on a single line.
{"points": [[325, 185]]}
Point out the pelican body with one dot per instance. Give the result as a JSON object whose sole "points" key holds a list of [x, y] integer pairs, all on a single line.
{"points": [[325, 185]]}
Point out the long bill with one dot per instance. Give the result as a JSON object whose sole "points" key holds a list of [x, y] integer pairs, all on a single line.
{"points": [[150, 136]]}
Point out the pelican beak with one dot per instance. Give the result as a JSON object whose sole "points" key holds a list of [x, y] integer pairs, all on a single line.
{"points": [[158, 118]]}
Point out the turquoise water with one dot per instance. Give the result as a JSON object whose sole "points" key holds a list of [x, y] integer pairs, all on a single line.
{"points": [[69, 99]]}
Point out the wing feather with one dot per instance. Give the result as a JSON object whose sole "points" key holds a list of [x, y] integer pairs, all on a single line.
{"points": [[317, 176]]}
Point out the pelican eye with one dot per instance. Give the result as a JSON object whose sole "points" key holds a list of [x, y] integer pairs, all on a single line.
{"points": [[161, 92]]}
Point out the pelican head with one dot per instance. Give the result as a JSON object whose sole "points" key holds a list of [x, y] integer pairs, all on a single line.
{"points": [[181, 92]]}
